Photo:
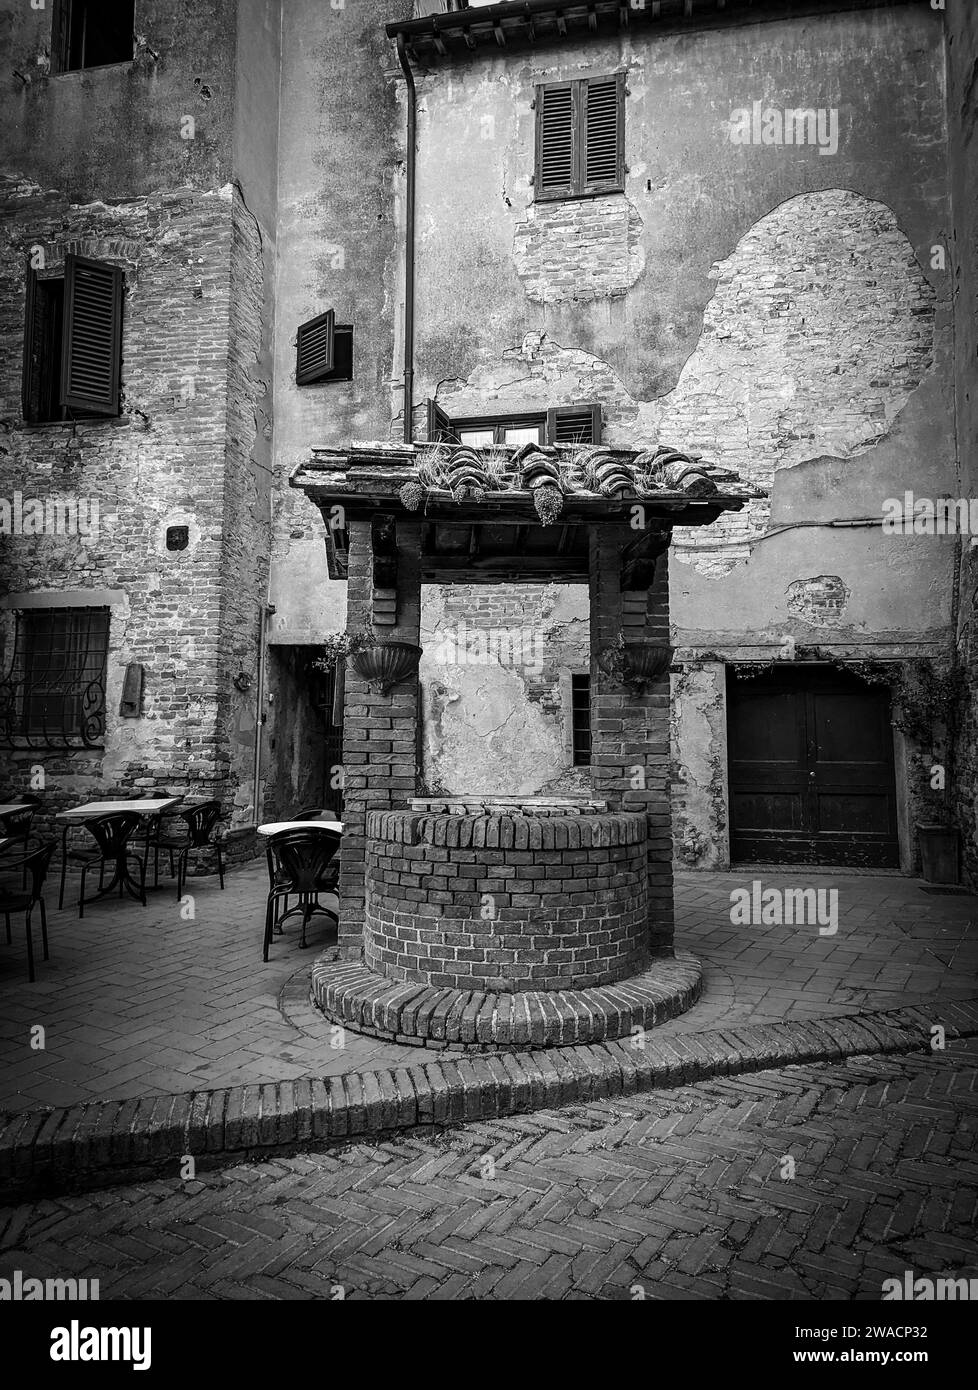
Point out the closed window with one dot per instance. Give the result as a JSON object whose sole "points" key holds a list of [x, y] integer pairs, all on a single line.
{"points": [[73, 342], [54, 693], [580, 137], [566, 424], [91, 33]]}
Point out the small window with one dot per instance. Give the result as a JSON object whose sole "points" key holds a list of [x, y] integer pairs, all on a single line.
{"points": [[571, 424], [580, 137], [323, 350], [91, 33], [581, 719], [73, 342], [54, 695]]}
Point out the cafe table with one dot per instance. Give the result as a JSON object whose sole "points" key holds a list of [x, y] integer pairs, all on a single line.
{"points": [[274, 827], [147, 808], [9, 807]]}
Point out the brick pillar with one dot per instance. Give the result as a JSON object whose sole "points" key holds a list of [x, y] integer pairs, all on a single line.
{"points": [[380, 732], [630, 727]]}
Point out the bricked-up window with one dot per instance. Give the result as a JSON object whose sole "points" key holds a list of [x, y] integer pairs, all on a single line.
{"points": [[323, 350], [73, 342], [53, 695], [581, 719], [91, 33], [565, 424], [580, 137]]}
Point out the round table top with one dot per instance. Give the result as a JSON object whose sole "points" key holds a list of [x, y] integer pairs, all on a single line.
{"points": [[274, 827]]}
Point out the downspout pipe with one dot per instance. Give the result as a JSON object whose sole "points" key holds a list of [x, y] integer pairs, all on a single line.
{"points": [[411, 172]]}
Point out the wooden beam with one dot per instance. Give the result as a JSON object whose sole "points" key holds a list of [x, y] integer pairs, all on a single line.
{"points": [[497, 29]]}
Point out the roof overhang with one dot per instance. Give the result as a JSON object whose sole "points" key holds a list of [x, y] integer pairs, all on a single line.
{"points": [[463, 34], [495, 532]]}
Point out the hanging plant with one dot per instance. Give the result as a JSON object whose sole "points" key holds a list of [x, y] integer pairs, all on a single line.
{"points": [[412, 495], [339, 645], [548, 502]]}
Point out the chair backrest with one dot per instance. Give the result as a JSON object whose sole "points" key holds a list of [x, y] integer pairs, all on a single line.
{"points": [[316, 813], [112, 831], [36, 864], [18, 822], [302, 857], [201, 821]]}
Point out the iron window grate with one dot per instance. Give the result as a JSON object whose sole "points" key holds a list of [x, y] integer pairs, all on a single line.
{"points": [[581, 719], [53, 694]]}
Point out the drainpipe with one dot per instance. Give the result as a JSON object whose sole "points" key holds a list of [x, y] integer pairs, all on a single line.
{"points": [[266, 610], [411, 170]]}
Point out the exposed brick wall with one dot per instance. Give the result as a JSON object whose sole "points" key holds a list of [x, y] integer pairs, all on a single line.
{"points": [[380, 731], [507, 902], [580, 249], [630, 758]]}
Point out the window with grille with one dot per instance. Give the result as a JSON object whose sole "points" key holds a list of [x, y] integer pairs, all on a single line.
{"points": [[580, 137], [566, 424], [53, 695], [91, 33], [581, 719], [73, 342]]}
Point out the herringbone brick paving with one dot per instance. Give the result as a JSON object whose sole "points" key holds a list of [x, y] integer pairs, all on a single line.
{"points": [[138, 1001], [678, 1194]]}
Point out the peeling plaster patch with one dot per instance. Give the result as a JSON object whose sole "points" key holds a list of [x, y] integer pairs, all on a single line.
{"points": [[580, 249], [820, 601]]}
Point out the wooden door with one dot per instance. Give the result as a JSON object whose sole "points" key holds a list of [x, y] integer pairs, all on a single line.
{"points": [[811, 769]]}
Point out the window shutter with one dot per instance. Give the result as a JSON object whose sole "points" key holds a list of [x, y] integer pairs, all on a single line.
{"points": [[439, 425], [314, 349], [59, 35], [33, 349], [92, 347], [604, 110], [574, 424], [556, 140]]}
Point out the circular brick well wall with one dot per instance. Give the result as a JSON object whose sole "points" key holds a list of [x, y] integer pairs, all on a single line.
{"points": [[506, 901]]}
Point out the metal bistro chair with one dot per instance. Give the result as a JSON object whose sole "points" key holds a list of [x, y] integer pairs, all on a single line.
{"points": [[111, 834], [317, 813], [200, 822], [301, 863], [15, 899]]}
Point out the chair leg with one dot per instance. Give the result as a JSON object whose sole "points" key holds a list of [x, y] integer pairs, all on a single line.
{"points": [[44, 927], [30, 947], [182, 866], [220, 864], [64, 874], [267, 941], [81, 891]]}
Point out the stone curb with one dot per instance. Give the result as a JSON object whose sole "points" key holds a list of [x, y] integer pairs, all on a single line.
{"points": [[110, 1142], [350, 993]]}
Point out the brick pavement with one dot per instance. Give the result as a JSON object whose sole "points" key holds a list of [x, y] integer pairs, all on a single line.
{"points": [[138, 1001], [680, 1194]]}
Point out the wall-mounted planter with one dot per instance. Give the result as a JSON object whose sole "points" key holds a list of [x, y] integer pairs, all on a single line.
{"points": [[646, 661], [386, 663], [939, 853]]}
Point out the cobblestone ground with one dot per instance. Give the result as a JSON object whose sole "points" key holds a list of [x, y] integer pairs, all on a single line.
{"points": [[682, 1194], [138, 1001]]}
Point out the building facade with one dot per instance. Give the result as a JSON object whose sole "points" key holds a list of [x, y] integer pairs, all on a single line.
{"points": [[742, 230]]}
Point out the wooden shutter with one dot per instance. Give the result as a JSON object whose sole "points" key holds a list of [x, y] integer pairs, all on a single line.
{"points": [[557, 143], [439, 425], [315, 342], [603, 100], [92, 343], [574, 424], [33, 350], [60, 32]]}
